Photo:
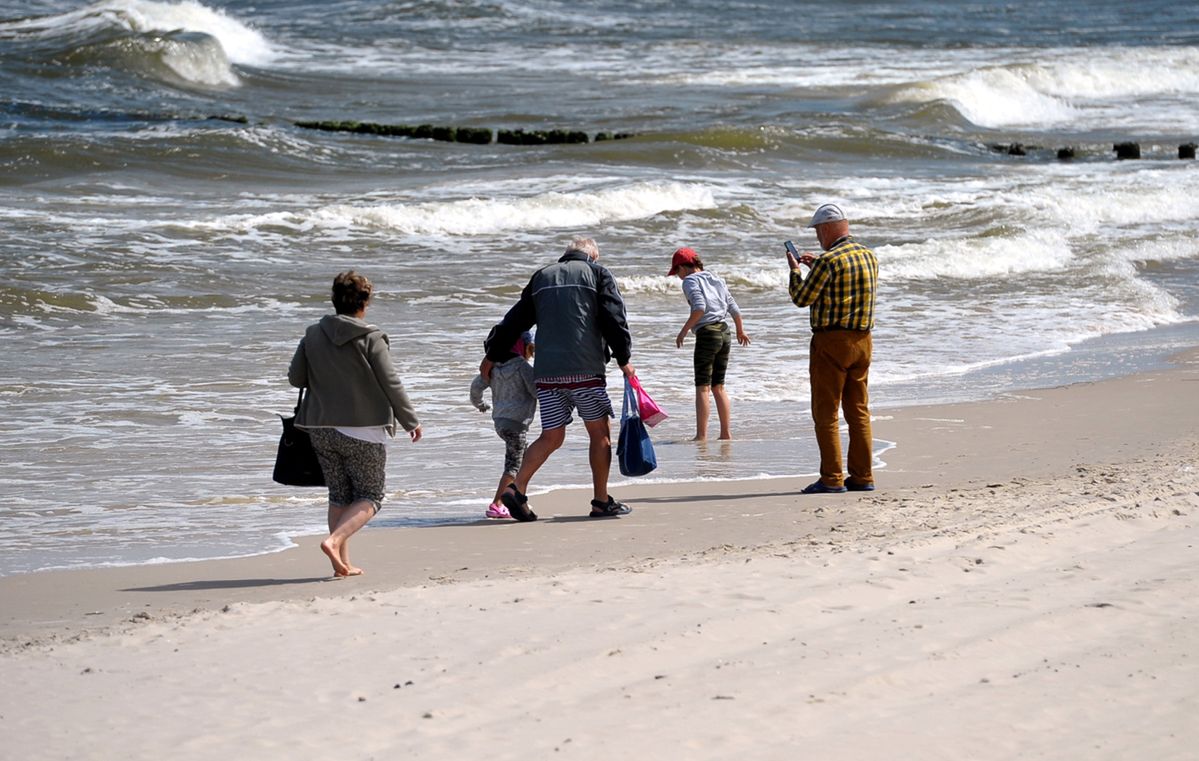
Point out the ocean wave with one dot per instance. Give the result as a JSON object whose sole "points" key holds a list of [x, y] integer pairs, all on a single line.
{"points": [[788, 65], [990, 254], [196, 43], [992, 97], [752, 276], [193, 59], [483, 216], [1163, 249], [1120, 199], [1061, 87]]}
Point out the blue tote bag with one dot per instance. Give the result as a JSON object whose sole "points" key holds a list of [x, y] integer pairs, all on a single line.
{"points": [[634, 450]]}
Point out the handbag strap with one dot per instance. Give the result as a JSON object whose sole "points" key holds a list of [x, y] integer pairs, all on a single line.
{"points": [[299, 401], [630, 400]]}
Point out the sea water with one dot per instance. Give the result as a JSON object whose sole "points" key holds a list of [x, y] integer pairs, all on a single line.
{"points": [[167, 230]]}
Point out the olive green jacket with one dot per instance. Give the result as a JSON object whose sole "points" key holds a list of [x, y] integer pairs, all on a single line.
{"points": [[346, 366]]}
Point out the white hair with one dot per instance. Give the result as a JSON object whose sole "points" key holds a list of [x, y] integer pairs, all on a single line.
{"points": [[586, 245]]}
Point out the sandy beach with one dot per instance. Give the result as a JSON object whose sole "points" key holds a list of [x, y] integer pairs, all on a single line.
{"points": [[1021, 586]]}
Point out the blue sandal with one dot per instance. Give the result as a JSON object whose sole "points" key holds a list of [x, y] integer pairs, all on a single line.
{"points": [[819, 487]]}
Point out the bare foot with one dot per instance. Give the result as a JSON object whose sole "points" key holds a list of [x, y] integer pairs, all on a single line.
{"points": [[334, 553], [699, 438], [726, 438], [353, 571]]}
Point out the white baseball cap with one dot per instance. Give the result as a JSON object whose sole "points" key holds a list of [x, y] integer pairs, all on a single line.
{"points": [[827, 213]]}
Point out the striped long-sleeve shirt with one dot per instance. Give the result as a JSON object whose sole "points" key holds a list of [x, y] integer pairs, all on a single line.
{"points": [[840, 289]]}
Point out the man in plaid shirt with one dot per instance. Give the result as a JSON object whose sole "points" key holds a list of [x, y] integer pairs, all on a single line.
{"points": [[839, 290]]}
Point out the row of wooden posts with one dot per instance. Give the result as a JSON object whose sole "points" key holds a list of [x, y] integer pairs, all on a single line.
{"points": [[473, 135], [484, 136], [1123, 150]]}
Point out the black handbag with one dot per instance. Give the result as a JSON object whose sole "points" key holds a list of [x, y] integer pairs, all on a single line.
{"points": [[296, 463]]}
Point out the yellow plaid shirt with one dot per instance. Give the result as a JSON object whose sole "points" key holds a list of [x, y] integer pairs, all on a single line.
{"points": [[840, 288]]}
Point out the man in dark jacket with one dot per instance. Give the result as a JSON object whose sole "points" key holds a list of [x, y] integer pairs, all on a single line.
{"points": [[581, 324]]}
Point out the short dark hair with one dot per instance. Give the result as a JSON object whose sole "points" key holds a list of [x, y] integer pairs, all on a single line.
{"points": [[351, 292]]}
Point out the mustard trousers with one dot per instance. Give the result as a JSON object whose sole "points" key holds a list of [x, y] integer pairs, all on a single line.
{"points": [[839, 367]]}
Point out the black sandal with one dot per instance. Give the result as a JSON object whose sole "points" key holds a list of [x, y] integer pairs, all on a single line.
{"points": [[517, 504], [609, 509]]}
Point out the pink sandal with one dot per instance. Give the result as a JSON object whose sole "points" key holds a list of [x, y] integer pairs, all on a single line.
{"points": [[497, 511]]}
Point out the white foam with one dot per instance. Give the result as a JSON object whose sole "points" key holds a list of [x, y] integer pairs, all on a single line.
{"points": [[976, 258], [760, 275], [994, 97], [1120, 198], [1053, 88], [241, 43], [480, 216], [788, 65], [202, 62], [1119, 73], [236, 42]]}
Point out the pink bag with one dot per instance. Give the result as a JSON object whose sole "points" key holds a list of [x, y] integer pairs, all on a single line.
{"points": [[651, 413]]}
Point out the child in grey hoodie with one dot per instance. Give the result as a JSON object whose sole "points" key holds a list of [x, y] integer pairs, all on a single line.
{"points": [[513, 402]]}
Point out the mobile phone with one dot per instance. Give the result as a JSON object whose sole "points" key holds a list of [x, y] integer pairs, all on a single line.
{"points": [[791, 249]]}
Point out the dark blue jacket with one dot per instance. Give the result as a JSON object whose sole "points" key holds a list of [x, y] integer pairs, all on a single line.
{"points": [[580, 319]]}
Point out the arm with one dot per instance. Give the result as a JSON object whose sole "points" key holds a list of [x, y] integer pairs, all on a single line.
{"points": [[699, 307], [613, 322], [476, 393], [521, 317], [297, 371], [735, 312], [380, 361], [742, 336], [696, 316], [805, 291]]}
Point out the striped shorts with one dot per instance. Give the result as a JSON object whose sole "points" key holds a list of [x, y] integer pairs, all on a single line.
{"points": [[556, 404]]}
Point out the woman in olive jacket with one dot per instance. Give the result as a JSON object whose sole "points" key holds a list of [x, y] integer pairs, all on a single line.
{"points": [[354, 401]]}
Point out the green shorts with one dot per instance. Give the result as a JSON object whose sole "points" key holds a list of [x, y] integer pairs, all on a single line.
{"points": [[713, 343]]}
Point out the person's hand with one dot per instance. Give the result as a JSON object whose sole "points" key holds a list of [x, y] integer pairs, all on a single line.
{"points": [[483, 407], [682, 336], [807, 259], [415, 434], [792, 262], [743, 338], [485, 369], [628, 370]]}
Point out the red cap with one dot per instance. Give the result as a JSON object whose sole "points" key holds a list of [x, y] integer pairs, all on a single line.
{"points": [[682, 256]]}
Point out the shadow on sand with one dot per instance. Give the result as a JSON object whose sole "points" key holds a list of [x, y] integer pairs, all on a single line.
{"points": [[185, 586]]}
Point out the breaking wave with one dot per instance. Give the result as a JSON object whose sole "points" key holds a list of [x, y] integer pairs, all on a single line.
{"points": [[195, 43], [482, 216], [1062, 90]]}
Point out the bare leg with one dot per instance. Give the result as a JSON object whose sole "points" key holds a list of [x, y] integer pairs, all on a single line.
{"points": [[336, 513], [504, 481], [599, 454], [351, 569], [350, 520], [701, 413], [536, 455], [723, 411]]}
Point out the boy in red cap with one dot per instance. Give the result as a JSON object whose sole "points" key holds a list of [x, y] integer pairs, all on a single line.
{"points": [[711, 306]]}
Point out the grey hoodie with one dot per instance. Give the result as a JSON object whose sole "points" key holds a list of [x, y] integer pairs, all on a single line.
{"points": [[346, 366], [513, 394]]}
